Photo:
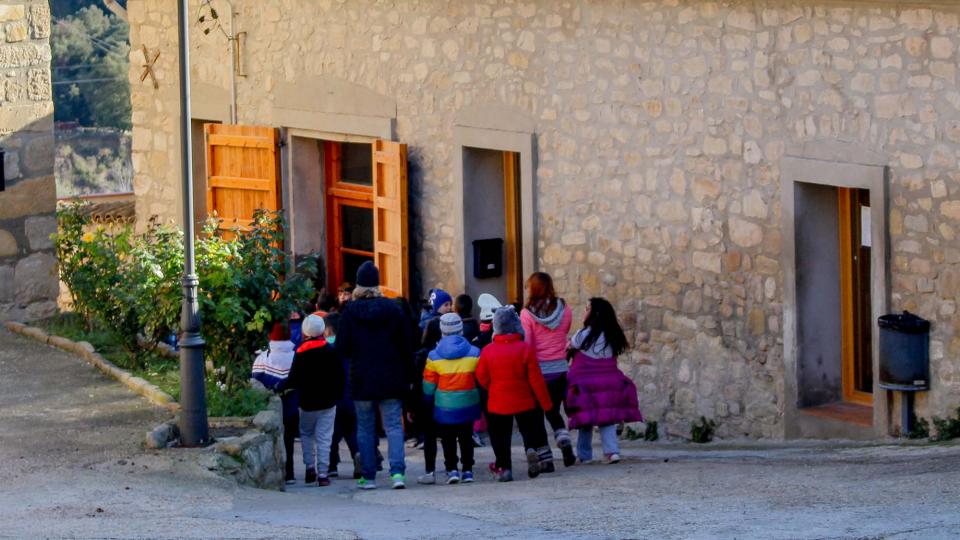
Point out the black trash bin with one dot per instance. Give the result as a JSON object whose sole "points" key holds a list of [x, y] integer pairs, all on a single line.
{"points": [[904, 352]]}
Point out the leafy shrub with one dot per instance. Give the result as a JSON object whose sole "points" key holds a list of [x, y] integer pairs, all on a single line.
{"points": [[947, 428], [155, 272], [703, 432], [651, 434]]}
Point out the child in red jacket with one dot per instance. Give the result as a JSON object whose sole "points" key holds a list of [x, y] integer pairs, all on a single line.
{"points": [[509, 371]]}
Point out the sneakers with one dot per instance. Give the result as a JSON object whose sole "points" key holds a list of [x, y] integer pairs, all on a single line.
{"points": [[365, 484], [427, 479], [399, 481], [467, 477], [613, 458], [533, 463], [356, 466], [311, 476], [547, 467], [332, 472], [453, 477], [504, 475], [289, 479], [584, 461], [323, 481]]}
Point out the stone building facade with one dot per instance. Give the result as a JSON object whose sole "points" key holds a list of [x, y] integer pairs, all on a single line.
{"points": [[28, 266], [662, 141]]}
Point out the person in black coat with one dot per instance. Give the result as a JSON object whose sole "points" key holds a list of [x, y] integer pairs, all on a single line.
{"points": [[375, 339], [318, 376]]}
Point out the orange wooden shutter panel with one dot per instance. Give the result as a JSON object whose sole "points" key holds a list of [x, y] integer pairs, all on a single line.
{"points": [[390, 216], [243, 172]]}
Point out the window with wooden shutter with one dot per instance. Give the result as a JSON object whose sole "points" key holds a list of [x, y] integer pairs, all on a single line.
{"points": [[390, 216], [243, 172]]}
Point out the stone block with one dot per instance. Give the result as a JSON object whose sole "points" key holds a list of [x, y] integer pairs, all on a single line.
{"points": [[32, 117], [28, 198], [6, 284], [24, 54], [40, 21], [40, 310], [268, 421], [35, 278], [744, 233], [16, 31], [38, 155], [12, 12], [38, 230], [38, 85], [8, 244]]}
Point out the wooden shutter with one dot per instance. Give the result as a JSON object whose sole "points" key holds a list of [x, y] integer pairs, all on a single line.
{"points": [[390, 216], [243, 172]]}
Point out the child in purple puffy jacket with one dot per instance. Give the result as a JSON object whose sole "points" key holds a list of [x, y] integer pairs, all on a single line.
{"points": [[598, 393]]}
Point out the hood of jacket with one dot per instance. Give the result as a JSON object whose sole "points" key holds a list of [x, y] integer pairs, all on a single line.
{"points": [[553, 319], [450, 347], [285, 346], [373, 311]]}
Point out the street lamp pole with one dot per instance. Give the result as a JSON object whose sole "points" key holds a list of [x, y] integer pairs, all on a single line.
{"points": [[194, 430]]}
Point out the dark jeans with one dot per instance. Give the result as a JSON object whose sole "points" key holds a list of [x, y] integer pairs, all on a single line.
{"points": [[291, 430], [344, 428], [450, 436], [557, 388], [429, 430], [500, 428]]}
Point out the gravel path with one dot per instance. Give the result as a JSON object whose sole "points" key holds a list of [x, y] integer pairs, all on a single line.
{"points": [[72, 465]]}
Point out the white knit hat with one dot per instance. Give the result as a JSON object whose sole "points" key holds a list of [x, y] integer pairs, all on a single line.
{"points": [[488, 303], [313, 326]]}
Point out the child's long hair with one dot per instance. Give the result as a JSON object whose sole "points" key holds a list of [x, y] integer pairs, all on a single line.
{"points": [[602, 321], [542, 297]]}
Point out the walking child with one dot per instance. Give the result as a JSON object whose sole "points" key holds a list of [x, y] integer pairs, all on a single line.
{"points": [[599, 394], [509, 370], [449, 382], [272, 369], [318, 376]]}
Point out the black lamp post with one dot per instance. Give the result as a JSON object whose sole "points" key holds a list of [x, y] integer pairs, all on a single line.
{"points": [[194, 430]]}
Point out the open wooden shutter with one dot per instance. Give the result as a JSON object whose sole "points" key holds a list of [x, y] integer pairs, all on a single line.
{"points": [[243, 172], [390, 216]]}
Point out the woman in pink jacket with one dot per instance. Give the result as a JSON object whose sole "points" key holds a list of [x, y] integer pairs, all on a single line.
{"points": [[546, 322]]}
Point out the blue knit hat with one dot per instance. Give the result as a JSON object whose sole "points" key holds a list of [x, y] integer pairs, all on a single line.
{"points": [[368, 275], [438, 298], [506, 321]]}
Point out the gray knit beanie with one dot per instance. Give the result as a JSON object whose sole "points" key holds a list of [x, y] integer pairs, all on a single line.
{"points": [[451, 324], [506, 321]]}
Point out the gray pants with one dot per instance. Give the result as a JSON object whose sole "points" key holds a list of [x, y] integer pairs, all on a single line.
{"points": [[316, 433]]}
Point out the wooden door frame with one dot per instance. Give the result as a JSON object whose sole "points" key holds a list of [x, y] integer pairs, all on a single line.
{"points": [[513, 243], [336, 195]]}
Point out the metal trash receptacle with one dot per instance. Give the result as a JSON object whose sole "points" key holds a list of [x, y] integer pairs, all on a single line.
{"points": [[904, 352]]}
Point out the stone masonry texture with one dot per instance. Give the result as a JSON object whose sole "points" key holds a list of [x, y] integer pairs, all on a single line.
{"points": [[659, 131], [28, 266]]}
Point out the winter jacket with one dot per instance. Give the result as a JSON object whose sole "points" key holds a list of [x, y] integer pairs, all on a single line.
{"points": [[548, 336], [374, 337], [509, 371], [272, 367], [484, 337], [598, 393], [317, 375], [449, 381], [471, 328]]}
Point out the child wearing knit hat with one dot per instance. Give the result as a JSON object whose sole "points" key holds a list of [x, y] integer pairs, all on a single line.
{"points": [[448, 383]]}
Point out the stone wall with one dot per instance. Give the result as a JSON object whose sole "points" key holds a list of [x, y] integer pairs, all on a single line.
{"points": [[660, 128], [28, 267]]}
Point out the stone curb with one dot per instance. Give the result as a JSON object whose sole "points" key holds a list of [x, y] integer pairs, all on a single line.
{"points": [[84, 350]]}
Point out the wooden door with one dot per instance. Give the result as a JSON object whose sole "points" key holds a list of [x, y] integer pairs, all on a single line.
{"points": [[243, 172], [855, 305], [511, 206], [390, 216]]}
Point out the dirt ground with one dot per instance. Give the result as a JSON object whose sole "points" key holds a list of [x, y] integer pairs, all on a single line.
{"points": [[72, 465]]}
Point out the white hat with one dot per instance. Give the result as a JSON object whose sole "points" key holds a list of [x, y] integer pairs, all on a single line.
{"points": [[313, 326], [488, 304]]}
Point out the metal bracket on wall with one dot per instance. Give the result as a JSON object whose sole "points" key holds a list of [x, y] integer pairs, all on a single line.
{"points": [[148, 66]]}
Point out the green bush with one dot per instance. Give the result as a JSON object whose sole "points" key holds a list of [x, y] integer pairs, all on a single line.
{"points": [[703, 432], [131, 283], [947, 428]]}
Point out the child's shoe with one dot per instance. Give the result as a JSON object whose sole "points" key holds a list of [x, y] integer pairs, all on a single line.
{"points": [[503, 475], [332, 472], [566, 447], [289, 480], [323, 481], [613, 458], [546, 460], [533, 463], [311, 476], [399, 481], [467, 477], [453, 477], [365, 484], [547, 467], [427, 479]]}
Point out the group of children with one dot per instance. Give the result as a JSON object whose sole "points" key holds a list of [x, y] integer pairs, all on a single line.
{"points": [[515, 365]]}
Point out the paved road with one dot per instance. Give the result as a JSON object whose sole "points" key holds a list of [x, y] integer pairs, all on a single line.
{"points": [[71, 465]]}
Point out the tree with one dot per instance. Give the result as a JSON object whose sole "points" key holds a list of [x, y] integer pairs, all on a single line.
{"points": [[90, 64]]}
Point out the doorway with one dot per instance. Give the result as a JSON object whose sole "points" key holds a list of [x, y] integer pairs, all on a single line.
{"points": [[491, 224], [833, 250]]}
